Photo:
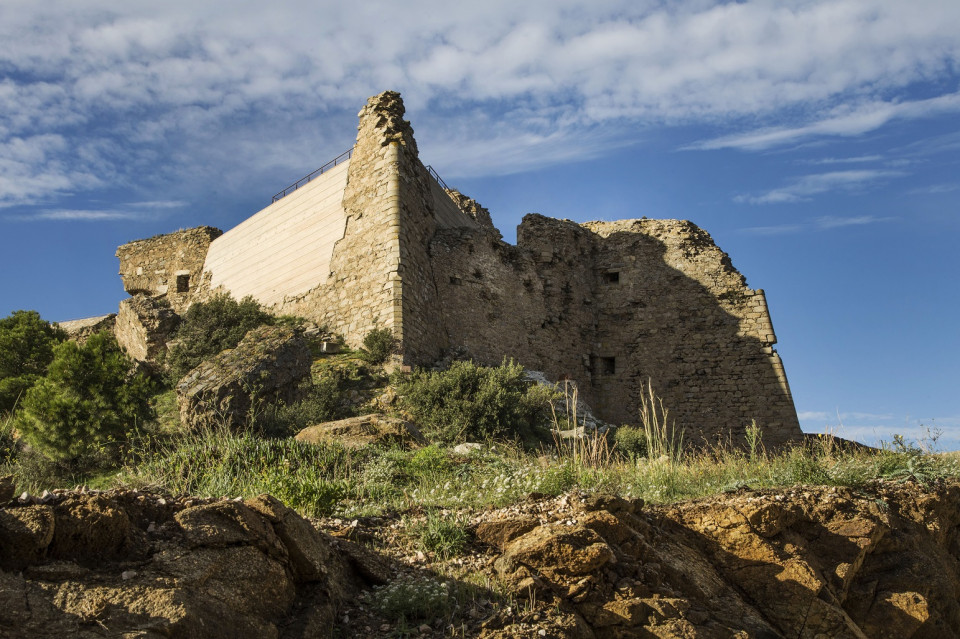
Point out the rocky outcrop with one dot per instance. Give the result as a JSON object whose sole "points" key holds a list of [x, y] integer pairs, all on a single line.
{"points": [[267, 366], [364, 430], [143, 327], [807, 563], [880, 562], [128, 564]]}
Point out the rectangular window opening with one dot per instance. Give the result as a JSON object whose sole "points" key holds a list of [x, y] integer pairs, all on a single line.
{"points": [[183, 283], [608, 365], [611, 277]]}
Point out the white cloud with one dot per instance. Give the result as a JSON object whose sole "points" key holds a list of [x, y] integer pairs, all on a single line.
{"points": [[806, 186], [126, 84]]}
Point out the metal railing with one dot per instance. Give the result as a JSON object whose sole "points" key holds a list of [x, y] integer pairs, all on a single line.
{"points": [[436, 176], [343, 157]]}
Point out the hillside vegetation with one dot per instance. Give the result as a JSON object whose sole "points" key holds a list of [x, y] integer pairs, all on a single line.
{"points": [[84, 415]]}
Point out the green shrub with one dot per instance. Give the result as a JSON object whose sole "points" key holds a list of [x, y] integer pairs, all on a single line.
{"points": [[321, 403], [26, 349], [89, 399], [445, 536], [378, 345], [429, 461], [211, 327], [469, 402], [631, 442]]}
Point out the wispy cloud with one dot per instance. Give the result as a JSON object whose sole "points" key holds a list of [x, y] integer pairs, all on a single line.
{"points": [[935, 189], [859, 159], [778, 229], [806, 186], [130, 211], [831, 222], [77, 215], [844, 121], [159, 204], [824, 223]]}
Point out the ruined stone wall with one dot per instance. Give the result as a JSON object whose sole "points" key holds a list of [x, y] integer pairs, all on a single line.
{"points": [[681, 316], [169, 265], [613, 305], [380, 272], [143, 326]]}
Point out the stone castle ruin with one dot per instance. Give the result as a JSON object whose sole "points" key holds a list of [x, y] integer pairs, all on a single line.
{"points": [[375, 240]]}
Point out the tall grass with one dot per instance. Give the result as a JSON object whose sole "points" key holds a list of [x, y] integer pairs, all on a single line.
{"points": [[663, 440], [332, 480]]}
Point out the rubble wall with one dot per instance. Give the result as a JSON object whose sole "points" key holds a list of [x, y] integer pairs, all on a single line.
{"points": [[615, 305], [682, 317], [169, 265]]}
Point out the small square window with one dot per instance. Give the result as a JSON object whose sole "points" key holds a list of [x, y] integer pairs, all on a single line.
{"points": [[611, 277], [608, 365], [183, 283]]}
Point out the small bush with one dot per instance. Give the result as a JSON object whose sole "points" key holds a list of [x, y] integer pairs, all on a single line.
{"points": [[26, 349], [444, 536], [430, 460], [209, 328], [306, 492], [631, 442], [320, 404], [89, 399], [469, 402], [378, 345]]}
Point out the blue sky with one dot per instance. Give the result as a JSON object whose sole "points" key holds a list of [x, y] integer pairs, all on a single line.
{"points": [[817, 141]]}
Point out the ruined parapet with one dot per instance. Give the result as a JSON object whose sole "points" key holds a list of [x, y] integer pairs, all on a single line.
{"points": [[81, 329], [144, 325], [472, 208], [170, 265]]}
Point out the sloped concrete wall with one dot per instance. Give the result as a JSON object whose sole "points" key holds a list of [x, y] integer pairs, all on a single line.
{"points": [[285, 249]]}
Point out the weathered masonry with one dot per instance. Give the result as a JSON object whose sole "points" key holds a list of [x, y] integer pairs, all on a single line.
{"points": [[376, 241]]}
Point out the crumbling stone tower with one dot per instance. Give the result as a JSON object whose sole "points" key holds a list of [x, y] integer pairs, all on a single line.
{"points": [[376, 241]]}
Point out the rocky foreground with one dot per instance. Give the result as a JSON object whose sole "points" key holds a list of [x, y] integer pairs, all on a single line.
{"points": [[882, 561]]}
